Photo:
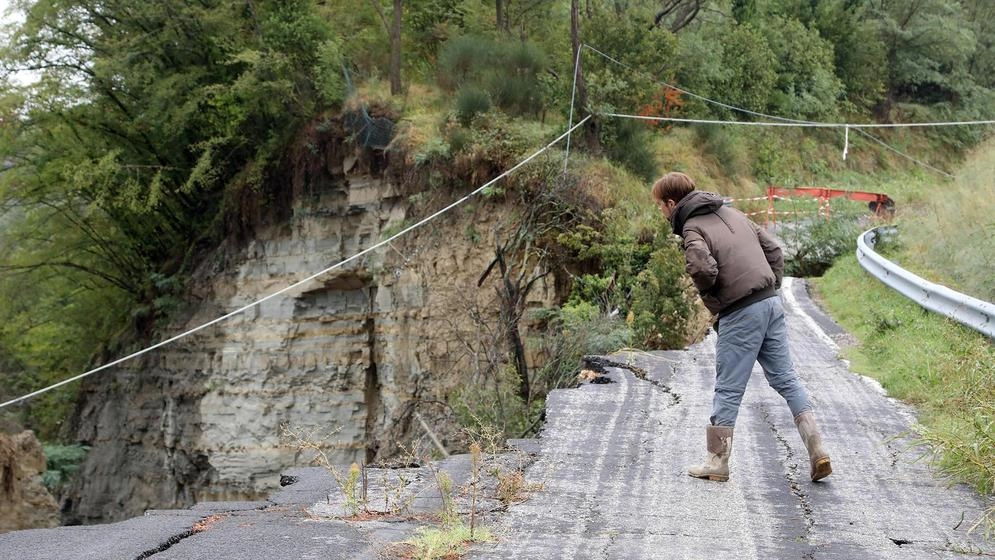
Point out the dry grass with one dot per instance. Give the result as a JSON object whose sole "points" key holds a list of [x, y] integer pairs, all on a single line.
{"points": [[952, 240], [678, 150]]}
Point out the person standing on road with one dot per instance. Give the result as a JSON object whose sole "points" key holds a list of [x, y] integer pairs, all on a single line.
{"points": [[737, 268]]}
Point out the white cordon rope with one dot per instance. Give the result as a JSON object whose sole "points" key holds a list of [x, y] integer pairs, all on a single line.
{"points": [[304, 281], [695, 95], [800, 124], [779, 121], [785, 119], [753, 198]]}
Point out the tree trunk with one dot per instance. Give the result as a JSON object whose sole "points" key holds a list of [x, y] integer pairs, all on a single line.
{"points": [[500, 16], [511, 313], [395, 49], [590, 131]]}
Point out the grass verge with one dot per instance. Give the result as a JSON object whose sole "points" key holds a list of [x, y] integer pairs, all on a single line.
{"points": [[946, 370]]}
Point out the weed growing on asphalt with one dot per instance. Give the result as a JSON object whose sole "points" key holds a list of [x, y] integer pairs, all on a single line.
{"points": [[397, 500], [452, 537], [353, 492], [445, 542], [355, 501], [449, 515]]}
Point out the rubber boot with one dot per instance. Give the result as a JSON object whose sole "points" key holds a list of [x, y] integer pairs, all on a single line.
{"points": [[817, 454], [716, 465]]}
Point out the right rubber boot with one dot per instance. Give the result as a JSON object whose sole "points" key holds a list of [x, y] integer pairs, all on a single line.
{"points": [[716, 466], [818, 457]]}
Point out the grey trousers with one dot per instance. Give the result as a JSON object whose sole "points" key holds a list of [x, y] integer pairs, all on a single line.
{"points": [[755, 333]]}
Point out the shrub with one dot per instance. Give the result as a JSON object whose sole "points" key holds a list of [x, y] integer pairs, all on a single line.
{"points": [[812, 246], [515, 82], [641, 277], [470, 102], [663, 306], [510, 73], [573, 331], [627, 142], [61, 461], [461, 59], [496, 403]]}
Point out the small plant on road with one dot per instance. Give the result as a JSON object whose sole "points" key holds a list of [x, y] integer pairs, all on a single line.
{"points": [[355, 500], [353, 492], [512, 486], [451, 538], [395, 496], [474, 483], [446, 542]]}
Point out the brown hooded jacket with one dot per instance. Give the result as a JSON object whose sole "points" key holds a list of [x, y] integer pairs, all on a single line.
{"points": [[732, 261]]}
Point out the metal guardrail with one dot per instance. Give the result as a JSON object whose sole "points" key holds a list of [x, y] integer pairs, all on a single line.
{"points": [[969, 311]]}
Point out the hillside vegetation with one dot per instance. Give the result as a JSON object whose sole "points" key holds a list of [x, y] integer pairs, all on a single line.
{"points": [[152, 131]]}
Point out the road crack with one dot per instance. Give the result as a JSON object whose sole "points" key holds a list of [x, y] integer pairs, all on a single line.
{"points": [[166, 544], [886, 439], [600, 364], [791, 473], [200, 526], [606, 552]]}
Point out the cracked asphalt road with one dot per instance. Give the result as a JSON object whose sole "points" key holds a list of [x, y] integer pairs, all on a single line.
{"points": [[613, 459]]}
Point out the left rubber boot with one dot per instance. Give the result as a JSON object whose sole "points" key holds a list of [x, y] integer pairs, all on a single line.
{"points": [[817, 455], [718, 440]]}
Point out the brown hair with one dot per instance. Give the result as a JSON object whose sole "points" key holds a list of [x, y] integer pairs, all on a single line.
{"points": [[672, 186]]}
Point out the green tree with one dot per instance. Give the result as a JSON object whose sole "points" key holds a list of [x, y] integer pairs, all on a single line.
{"points": [[858, 51], [806, 83], [980, 15], [663, 306], [644, 57], [733, 63], [928, 47], [149, 123]]}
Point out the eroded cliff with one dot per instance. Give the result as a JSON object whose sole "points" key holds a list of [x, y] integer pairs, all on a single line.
{"points": [[350, 357]]}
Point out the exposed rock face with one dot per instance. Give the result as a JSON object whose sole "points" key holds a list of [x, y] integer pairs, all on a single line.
{"points": [[26, 502], [347, 357]]}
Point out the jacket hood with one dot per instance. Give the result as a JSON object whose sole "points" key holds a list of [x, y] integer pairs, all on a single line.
{"points": [[695, 203]]}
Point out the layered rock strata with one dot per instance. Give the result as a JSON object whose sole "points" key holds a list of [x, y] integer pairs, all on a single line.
{"points": [[346, 359]]}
